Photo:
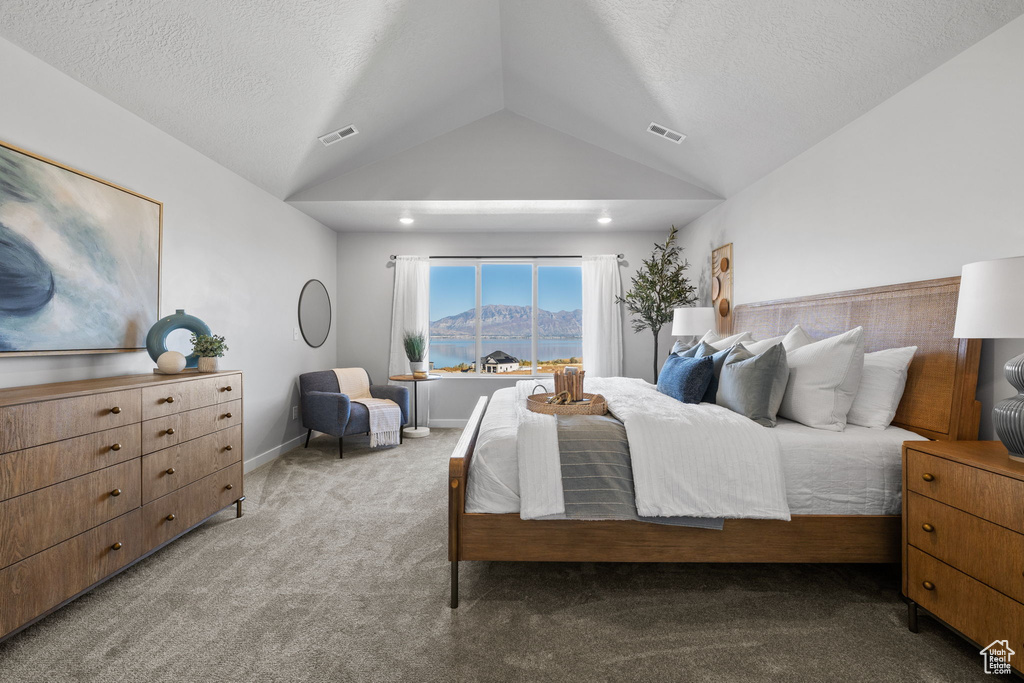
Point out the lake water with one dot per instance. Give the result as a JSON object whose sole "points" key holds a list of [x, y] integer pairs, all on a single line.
{"points": [[449, 353]]}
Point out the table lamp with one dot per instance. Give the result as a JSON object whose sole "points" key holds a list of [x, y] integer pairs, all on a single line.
{"points": [[692, 321], [991, 306]]}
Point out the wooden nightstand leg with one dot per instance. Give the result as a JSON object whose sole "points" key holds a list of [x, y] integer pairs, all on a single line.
{"points": [[912, 616]]}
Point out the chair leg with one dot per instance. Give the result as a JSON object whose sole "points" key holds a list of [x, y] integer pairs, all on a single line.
{"points": [[308, 434], [341, 447]]}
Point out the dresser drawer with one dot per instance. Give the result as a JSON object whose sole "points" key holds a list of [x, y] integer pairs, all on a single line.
{"points": [[39, 583], [178, 397], [980, 492], [38, 520], [33, 424], [979, 612], [164, 432], [35, 468], [170, 469], [166, 517], [990, 553]]}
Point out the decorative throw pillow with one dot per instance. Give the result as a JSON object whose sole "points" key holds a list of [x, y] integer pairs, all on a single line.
{"points": [[725, 342], [753, 385], [705, 350], [823, 380], [686, 379], [682, 347], [758, 347], [881, 387]]}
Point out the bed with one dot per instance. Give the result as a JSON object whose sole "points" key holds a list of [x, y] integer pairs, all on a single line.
{"points": [[833, 520]]}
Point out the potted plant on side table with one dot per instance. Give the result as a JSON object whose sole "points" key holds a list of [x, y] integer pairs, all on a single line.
{"points": [[416, 351], [209, 348]]}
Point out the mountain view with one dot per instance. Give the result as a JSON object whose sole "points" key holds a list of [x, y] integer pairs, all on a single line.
{"points": [[512, 322]]}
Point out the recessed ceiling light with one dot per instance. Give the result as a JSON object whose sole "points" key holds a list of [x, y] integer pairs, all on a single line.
{"points": [[604, 220], [405, 220]]}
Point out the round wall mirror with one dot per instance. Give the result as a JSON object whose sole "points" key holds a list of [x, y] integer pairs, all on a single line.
{"points": [[314, 313]]}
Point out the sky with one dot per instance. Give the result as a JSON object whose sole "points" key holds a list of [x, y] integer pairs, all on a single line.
{"points": [[453, 288]]}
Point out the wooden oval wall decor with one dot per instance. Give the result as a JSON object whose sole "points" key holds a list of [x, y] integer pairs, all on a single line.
{"points": [[721, 287]]}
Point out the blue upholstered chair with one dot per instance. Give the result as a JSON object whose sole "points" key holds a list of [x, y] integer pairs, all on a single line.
{"points": [[325, 409]]}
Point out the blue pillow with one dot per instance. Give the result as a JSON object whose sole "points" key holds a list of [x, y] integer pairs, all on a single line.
{"points": [[686, 379], [705, 350]]}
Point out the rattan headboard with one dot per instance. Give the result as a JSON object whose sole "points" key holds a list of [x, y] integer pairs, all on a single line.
{"points": [[939, 401]]}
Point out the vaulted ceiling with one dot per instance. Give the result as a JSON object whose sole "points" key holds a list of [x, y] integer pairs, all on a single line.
{"points": [[752, 83]]}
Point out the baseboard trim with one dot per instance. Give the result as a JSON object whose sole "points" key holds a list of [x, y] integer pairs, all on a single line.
{"points": [[274, 453], [448, 424]]}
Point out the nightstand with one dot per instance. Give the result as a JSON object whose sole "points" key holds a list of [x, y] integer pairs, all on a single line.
{"points": [[963, 539]]}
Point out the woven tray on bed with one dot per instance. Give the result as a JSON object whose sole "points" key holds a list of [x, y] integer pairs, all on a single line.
{"points": [[595, 406]]}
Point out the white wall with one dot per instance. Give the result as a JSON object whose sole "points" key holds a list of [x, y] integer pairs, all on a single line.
{"points": [[233, 255], [929, 180], [366, 285]]}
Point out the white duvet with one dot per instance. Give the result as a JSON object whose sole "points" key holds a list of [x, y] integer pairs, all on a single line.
{"points": [[688, 460]]}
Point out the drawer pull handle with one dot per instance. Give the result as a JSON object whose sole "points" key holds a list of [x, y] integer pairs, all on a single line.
{"points": [[169, 399], [928, 586], [170, 470], [229, 487], [228, 447], [227, 388], [116, 447], [170, 430], [928, 477], [116, 546], [928, 527], [115, 410], [227, 415], [115, 493], [171, 517]]}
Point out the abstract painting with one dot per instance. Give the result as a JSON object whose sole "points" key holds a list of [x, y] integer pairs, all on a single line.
{"points": [[79, 260]]}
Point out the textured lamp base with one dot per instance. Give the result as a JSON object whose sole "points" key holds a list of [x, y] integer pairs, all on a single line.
{"points": [[1008, 415]]}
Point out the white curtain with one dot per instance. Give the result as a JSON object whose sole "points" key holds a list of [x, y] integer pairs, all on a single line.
{"points": [[602, 319], [410, 308]]}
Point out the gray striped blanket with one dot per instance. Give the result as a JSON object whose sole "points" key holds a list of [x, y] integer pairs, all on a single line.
{"points": [[597, 476]]}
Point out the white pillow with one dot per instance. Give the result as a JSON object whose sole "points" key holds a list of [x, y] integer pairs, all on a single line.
{"points": [[793, 339], [881, 387], [823, 379], [722, 343]]}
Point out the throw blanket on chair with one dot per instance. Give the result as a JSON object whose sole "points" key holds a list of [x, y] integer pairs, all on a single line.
{"points": [[385, 415]]}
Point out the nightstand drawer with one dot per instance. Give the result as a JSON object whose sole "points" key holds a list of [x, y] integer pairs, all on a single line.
{"points": [[990, 553], [972, 489], [979, 612]]}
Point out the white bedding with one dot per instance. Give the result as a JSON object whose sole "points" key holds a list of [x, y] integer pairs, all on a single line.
{"points": [[854, 472]]}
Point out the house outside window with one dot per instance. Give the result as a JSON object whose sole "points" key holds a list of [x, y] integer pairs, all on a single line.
{"points": [[505, 317]]}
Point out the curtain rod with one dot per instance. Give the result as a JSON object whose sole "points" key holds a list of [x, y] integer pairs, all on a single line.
{"points": [[393, 256]]}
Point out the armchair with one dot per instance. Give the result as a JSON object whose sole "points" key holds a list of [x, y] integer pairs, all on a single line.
{"points": [[325, 409]]}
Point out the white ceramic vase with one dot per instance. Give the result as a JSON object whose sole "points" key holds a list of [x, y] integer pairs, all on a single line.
{"points": [[419, 369], [208, 364]]}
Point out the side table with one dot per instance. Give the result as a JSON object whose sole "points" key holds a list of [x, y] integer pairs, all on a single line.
{"points": [[415, 431]]}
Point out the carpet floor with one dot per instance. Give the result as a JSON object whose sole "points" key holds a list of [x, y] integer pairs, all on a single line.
{"points": [[338, 572]]}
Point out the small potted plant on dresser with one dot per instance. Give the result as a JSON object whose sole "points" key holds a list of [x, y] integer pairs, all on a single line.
{"points": [[416, 352], [209, 348]]}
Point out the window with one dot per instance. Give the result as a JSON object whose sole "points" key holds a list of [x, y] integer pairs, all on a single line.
{"points": [[505, 317]]}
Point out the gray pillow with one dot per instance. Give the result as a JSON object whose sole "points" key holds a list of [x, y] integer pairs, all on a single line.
{"points": [[705, 350], [685, 349], [753, 386]]}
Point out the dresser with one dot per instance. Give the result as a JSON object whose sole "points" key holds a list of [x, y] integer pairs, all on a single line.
{"points": [[97, 474], [963, 539]]}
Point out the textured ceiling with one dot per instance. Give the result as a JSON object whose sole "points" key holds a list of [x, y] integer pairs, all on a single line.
{"points": [[251, 84]]}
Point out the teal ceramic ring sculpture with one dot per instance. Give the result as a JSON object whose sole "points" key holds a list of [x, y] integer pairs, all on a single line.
{"points": [[156, 340]]}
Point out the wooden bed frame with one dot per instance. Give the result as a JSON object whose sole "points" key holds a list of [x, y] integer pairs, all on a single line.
{"points": [[939, 403]]}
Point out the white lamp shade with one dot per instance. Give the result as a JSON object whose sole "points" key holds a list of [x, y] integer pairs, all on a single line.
{"points": [[991, 304], [692, 321]]}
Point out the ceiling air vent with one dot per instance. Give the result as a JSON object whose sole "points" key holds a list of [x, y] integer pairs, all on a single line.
{"points": [[667, 133], [338, 135]]}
